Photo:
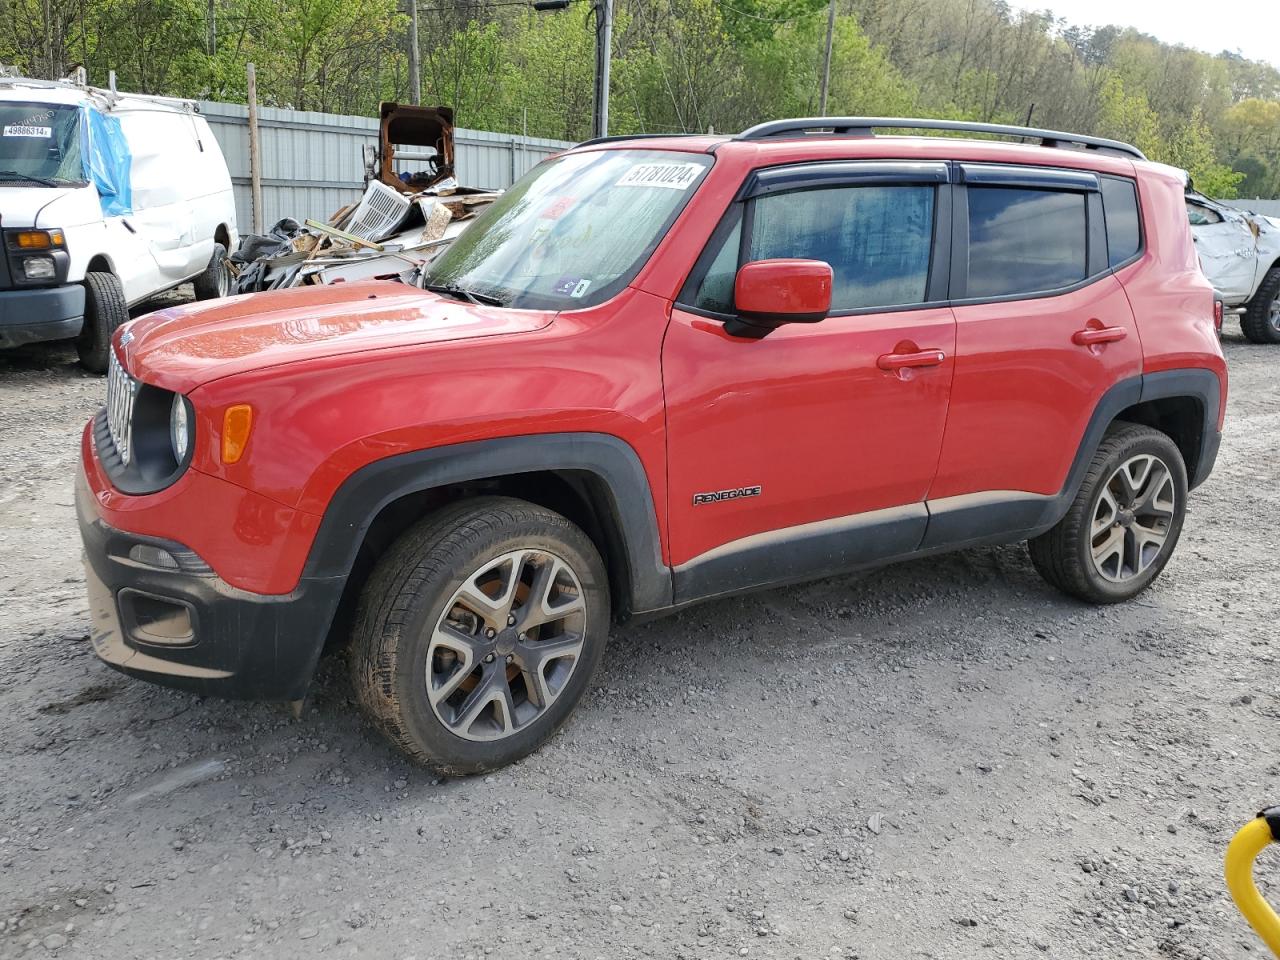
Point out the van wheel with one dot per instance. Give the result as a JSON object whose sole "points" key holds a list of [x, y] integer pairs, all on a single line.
{"points": [[1261, 320], [478, 632], [104, 310], [1124, 523], [216, 280]]}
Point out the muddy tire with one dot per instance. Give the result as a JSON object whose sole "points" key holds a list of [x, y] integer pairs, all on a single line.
{"points": [[216, 280], [478, 633], [1124, 523], [1261, 320], [104, 310]]}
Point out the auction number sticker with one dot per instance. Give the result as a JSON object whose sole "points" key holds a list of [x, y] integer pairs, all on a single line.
{"points": [[676, 176], [24, 130]]}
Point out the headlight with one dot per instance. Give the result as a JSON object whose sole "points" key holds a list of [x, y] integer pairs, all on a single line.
{"points": [[38, 268], [179, 428]]}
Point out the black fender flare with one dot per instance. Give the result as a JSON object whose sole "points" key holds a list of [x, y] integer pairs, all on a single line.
{"points": [[1004, 516], [364, 494], [1198, 383]]}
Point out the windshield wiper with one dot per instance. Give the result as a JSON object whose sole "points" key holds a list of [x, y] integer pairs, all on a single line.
{"points": [[453, 290], [15, 175]]}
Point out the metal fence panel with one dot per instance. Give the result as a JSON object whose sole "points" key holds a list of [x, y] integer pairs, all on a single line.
{"points": [[312, 163], [1268, 208]]}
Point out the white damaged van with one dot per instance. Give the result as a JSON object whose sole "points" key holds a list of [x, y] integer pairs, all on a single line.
{"points": [[106, 199]]}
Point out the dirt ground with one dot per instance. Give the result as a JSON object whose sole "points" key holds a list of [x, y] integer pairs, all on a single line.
{"points": [[940, 759]]}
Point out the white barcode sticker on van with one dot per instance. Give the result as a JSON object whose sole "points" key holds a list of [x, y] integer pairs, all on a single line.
{"points": [[677, 176], [23, 130]]}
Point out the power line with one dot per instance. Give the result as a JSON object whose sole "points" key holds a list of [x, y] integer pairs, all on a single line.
{"points": [[756, 16]]}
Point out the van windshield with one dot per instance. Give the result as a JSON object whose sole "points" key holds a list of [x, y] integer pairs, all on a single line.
{"points": [[573, 232], [39, 141]]}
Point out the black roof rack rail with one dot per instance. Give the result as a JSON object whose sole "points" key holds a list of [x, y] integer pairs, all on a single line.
{"points": [[866, 127], [632, 136]]}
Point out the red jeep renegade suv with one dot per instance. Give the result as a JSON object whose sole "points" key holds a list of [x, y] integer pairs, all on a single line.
{"points": [[654, 372]]}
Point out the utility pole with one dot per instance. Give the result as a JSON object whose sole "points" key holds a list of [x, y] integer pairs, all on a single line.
{"points": [[213, 29], [604, 53], [826, 59], [415, 76], [255, 148]]}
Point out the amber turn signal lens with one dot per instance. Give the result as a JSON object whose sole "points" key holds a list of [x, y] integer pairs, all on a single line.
{"points": [[236, 424], [38, 239]]}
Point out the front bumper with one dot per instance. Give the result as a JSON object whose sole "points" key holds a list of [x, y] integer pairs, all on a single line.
{"points": [[188, 628], [43, 313]]}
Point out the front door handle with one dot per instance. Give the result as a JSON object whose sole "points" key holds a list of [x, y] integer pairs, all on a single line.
{"points": [[1090, 336], [917, 358]]}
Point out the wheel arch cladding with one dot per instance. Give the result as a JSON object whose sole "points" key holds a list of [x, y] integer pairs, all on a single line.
{"points": [[1186, 405], [1181, 418], [595, 480]]}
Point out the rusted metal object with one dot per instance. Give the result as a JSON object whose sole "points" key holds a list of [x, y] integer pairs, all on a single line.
{"points": [[425, 135]]}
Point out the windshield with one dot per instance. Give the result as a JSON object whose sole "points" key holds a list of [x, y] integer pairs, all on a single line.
{"points": [[573, 232], [40, 141]]}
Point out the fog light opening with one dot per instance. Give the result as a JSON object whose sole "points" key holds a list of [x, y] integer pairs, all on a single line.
{"points": [[156, 620]]}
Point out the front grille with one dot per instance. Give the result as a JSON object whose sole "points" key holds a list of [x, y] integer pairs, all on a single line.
{"points": [[122, 390]]}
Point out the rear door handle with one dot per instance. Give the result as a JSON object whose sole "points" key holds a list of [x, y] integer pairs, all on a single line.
{"points": [[1093, 335], [919, 358]]}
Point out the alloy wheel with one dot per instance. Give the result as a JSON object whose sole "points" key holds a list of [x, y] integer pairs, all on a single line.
{"points": [[1132, 518], [1273, 313], [506, 645]]}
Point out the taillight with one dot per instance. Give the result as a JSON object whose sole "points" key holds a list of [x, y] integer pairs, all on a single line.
{"points": [[1217, 317]]}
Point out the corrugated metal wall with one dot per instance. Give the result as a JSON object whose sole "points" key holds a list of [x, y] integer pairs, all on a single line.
{"points": [[312, 163], [1268, 208]]}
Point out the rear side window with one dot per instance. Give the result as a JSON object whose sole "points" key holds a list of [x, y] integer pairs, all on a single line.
{"points": [[877, 240], [1120, 208], [1025, 241]]}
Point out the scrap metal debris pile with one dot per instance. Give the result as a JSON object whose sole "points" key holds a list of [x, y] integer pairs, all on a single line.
{"points": [[411, 210], [387, 234]]}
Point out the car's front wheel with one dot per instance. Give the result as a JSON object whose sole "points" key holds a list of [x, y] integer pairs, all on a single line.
{"points": [[1125, 521], [105, 309], [1261, 320], [478, 633]]}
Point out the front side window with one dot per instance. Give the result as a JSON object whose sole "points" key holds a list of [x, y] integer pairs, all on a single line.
{"points": [[39, 141], [877, 240], [573, 232], [1025, 241]]}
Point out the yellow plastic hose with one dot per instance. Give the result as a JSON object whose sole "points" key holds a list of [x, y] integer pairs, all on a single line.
{"points": [[1245, 846]]}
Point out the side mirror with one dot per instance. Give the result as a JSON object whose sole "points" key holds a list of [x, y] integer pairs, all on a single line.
{"points": [[769, 293]]}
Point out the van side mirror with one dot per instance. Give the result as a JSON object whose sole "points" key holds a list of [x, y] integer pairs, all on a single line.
{"points": [[769, 293]]}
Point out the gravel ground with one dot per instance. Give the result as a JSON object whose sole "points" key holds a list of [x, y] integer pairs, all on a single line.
{"points": [[943, 758]]}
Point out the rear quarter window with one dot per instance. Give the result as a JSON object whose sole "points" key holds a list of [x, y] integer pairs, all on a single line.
{"points": [[1120, 209]]}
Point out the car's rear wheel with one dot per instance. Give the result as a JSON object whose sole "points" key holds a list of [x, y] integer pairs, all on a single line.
{"points": [[478, 633], [1261, 320], [216, 280], [1125, 521], [104, 310]]}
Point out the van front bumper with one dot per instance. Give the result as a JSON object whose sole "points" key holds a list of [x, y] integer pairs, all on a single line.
{"points": [[42, 313], [161, 614]]}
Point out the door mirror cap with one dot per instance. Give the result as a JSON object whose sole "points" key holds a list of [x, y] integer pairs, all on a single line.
{"points": [[769, 293]]}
